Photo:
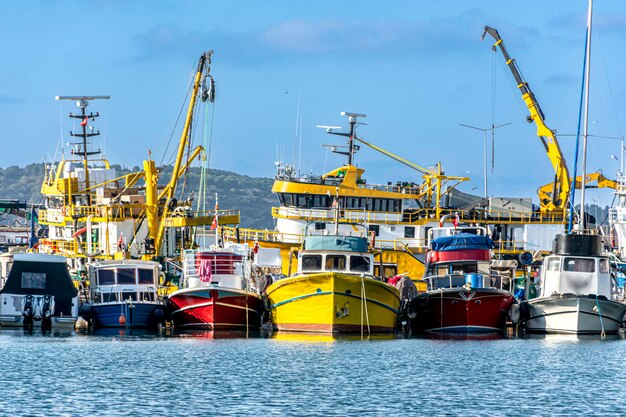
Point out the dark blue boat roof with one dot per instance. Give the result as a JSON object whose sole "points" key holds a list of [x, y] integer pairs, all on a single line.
{"points": [[461, 241]]}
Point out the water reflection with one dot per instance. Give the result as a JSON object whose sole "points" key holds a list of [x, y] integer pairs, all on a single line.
{"points": [[327, 338], [462, 336]]}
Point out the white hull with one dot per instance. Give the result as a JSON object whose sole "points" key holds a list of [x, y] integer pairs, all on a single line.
{"points": [[574, 315], [67, 322]]}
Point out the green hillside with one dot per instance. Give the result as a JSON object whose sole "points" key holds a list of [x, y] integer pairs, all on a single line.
{"points": [[252, 196]]}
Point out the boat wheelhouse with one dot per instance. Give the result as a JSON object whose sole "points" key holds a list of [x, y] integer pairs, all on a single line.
{"points": [[124, 294]]}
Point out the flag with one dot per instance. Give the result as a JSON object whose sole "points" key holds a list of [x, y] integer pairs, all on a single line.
{"points": [[335, 203], [84, 122], [256, 248], [455, 220], [215, 221], [205, 271]]}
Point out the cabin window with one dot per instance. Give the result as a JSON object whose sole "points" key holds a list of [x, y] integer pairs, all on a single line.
{"points": [[554, 264], [409, 232], [312, 262], [126, 276], [335, 262], [388, 270], [146, 296], [320, 201], [109, 297], [34, 280], [106, 277], [146, 276], [281, 198], [374, 228], [604, 266], [359, 264], [579, 265], [320, 226], [288, 198], [129, 296]]}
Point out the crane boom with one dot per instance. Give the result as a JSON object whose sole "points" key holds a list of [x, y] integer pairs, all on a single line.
{"points": [[557, 198]]}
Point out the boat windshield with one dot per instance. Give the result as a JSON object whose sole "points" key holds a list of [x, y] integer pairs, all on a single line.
{"points": [[106, 277], [335, 262], [311, 262], [579, 265], [34, 280], [359, 264], [126, 275], [146, 276]]}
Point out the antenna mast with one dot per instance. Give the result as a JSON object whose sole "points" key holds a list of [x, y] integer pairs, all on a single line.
{"points": [[82, 102]]}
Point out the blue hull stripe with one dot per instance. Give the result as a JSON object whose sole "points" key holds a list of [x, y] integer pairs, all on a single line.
{"points": [[300, 297], [109, 315]]}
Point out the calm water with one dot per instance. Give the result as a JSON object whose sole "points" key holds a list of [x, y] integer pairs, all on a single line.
{"points": [[75, 374]]}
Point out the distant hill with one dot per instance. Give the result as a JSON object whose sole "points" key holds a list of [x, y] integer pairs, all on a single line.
{"points": [[252, 196]]}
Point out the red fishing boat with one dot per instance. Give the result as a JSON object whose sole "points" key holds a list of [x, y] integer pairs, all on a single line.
{"points": [[217, 291], [463, 294]]}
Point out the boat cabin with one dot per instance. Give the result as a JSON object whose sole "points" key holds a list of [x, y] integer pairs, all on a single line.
{"points": [[580, 275], [461, 259], [223, 267], [348, 254], [115, 281]]}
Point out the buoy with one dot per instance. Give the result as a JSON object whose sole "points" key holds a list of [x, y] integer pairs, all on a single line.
{"points": [[81, 324], [122, 320]]}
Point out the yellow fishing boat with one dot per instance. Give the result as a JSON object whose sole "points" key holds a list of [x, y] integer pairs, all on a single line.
{"points": [[334, 291]]}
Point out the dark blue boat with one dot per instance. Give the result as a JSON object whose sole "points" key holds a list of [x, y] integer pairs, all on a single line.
{"points": [[124, 294]]}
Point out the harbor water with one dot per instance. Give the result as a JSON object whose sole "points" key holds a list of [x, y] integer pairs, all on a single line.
{"points": [[197, 375]]}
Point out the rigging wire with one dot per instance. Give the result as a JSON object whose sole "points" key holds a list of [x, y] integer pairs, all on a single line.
{"points": [[608, 81], [493, 108], [180, 112], [580, 116]]}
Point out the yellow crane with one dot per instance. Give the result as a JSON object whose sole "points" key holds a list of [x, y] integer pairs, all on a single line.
{"points": [[553, 198], [157, 219]]}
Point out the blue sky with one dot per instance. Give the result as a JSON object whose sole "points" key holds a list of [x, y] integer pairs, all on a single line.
{"points": [[417, 69]]}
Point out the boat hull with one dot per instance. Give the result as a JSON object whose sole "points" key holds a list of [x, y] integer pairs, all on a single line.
{"points": [[461, 310], [333, 303], [215, 308], [571, 314], [136, 315]]}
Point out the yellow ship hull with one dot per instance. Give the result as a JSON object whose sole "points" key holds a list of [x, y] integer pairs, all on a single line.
{"points": [[333, 303]]}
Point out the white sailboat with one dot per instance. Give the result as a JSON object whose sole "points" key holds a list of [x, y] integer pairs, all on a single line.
{"points": [[577, 294]]}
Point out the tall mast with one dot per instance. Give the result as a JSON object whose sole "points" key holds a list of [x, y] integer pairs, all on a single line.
{"points": [[351, 135], [82, 102], [586, 116]]}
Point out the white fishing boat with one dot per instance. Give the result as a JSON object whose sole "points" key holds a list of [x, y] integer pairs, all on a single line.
{"points": [[576, 293]]}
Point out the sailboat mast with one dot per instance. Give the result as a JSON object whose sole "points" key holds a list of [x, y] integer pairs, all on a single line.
{"points": [[586, 116]]}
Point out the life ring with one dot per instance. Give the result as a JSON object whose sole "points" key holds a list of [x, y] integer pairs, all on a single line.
{"points": [[98, 212]]}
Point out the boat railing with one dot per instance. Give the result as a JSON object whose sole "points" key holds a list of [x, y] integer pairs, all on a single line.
{"points": [[474, 280], [416, 216], [127, 293], [71, 248], [119, 212]]}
